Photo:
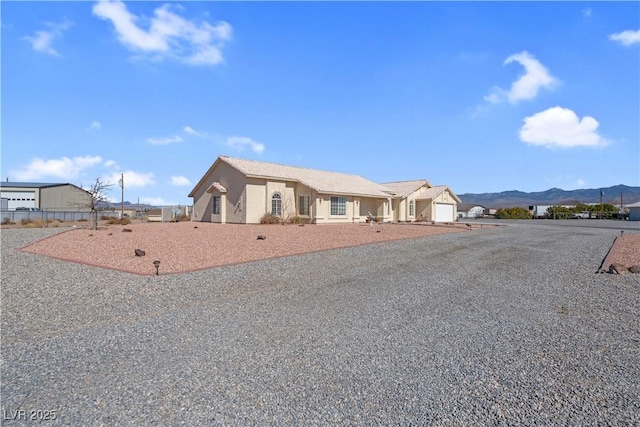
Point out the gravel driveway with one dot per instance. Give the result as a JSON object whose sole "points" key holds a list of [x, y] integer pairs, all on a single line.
{"points": [[501, 327]]}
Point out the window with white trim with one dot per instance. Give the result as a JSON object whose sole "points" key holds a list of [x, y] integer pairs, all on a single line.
{"points": [[338, 206], [303, 205], [412, 210], [276, 204], [216, 205]]}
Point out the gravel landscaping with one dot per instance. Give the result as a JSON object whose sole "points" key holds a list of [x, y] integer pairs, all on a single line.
{"points": [[504, 326]]}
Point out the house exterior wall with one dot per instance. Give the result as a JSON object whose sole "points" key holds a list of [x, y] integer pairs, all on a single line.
{"points": [[287, 193], [404, 213], [303, 190], [255, 200], [259, 194], [634, 214], [357, 209], [232, 206], [428, 209]]}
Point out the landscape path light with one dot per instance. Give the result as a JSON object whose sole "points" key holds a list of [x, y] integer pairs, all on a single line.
{"points": [[157, 265]]}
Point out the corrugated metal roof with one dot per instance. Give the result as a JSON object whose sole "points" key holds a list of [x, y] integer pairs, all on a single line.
{"points": [[405, 188], [322, 181], [17, 184]]}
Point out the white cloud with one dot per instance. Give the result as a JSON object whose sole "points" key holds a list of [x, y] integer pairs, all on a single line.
{"points": [[95, 125], [110, 163], [240, 143], [169, 35], [586, 13], [165, 141], [626, 38], [536, 77], [64, 168], [180, 181], [191, 131], [132, 179], [560, 127], [42, 40], [155, 201]]}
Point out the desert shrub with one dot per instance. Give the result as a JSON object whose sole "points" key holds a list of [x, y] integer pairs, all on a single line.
{"points": [[54, 224], [25, 221], [559, 212], [513, 213], [270, 219], [105, 217], [119, 221], [83, 220], [33, 224], [7, 221], [297, 220]]}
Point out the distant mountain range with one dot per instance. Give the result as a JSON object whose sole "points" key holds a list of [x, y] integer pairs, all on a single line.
{"points": [[127, 205], [553, 196]]}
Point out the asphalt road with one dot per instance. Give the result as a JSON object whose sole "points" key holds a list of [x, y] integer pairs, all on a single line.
{"points": [[503, 326]]}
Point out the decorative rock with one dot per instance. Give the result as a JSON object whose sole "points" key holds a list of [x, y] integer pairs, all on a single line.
{"points": [[617, 268], [262, 237], [127, 230], [635, 269], [139, 252], [110, 234]]}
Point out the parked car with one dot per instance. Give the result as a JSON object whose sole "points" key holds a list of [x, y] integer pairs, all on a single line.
{"points": [[581, 215], [22, 208]]}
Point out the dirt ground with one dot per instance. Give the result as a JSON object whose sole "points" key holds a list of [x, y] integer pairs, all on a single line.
{"points": [[188, 246]]}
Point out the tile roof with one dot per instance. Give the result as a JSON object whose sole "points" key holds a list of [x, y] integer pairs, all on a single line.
{"points": [[405, 188], [321, 181], [435, 191]]}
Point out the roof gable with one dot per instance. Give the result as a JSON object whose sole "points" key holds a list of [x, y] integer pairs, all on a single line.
{"points": [[437, 190], [405, 188]]}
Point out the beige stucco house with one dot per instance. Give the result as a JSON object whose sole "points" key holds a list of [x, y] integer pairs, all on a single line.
{"points": [[236, 190], [420, 201]]}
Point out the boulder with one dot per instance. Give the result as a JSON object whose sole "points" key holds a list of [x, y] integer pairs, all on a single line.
{"points": [[617, 268], [635, 269], [262, 237], [139, 252]]}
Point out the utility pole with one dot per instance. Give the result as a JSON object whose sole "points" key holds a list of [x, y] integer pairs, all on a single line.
{"points": [[601, 208], [121, 182]]}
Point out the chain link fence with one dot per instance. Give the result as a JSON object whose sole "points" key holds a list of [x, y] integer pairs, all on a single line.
{"points": [[8, 217]]}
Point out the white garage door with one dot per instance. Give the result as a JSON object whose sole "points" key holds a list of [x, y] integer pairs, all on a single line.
{"points": [[444, 212], [23, 199]]}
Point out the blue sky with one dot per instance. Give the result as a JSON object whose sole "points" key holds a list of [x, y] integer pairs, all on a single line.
{"points": [[483, 97]]}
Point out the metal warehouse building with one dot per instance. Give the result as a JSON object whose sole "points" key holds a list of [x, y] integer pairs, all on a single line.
{"points": [[44, 196]]}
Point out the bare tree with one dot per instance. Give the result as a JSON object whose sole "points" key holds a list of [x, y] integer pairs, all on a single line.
{"points": [[97, 195]]}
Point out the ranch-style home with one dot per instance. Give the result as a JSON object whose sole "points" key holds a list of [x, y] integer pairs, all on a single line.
{"points": [[236, 190]]}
